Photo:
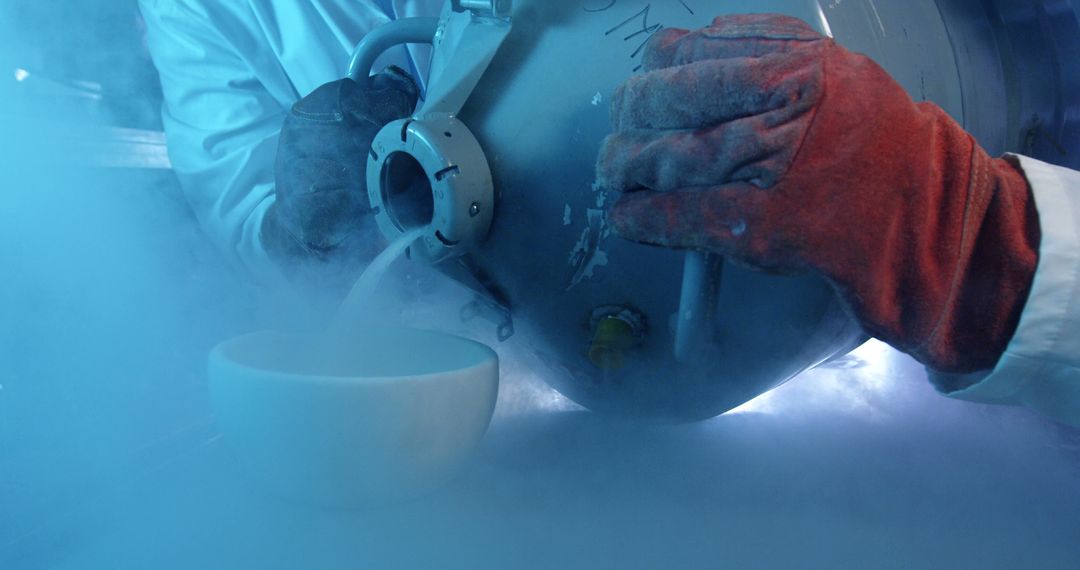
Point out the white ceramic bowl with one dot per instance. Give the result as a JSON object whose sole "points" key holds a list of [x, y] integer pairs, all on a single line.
{"points": [[389, 418]]}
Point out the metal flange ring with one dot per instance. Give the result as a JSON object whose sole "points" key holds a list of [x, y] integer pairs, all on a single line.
{"points": [[431, 173]]}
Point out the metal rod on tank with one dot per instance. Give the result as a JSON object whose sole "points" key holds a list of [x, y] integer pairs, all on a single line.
{"points": [[697, 303], [386, 36]]}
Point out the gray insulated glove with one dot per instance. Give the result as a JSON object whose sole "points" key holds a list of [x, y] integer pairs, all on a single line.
{"points": [[321, 212]]}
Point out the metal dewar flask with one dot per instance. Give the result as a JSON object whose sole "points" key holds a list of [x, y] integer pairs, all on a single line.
{"points": [[499, 162]]}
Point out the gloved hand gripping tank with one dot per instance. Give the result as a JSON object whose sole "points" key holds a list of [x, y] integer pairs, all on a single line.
{"points": [[499, 162]]}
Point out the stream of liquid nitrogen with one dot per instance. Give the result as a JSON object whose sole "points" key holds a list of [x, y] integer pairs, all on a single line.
{"points": [[355, 311]]}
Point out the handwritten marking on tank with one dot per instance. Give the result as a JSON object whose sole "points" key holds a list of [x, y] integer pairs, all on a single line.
{"points": [[600, 6], [646, 28], [637, 24], [605, 5]]}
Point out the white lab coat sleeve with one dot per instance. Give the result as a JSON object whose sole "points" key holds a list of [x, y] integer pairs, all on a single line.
{"points": [[222, 127], [1040, 368]]}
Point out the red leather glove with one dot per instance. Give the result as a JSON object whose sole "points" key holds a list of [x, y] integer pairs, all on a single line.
{"points": [[759, 139]]}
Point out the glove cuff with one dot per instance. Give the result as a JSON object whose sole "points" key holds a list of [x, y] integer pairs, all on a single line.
{"points": [[998, 257]]}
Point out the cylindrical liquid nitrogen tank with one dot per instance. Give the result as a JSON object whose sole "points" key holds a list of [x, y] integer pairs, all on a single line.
{"points": [[625, 328]]}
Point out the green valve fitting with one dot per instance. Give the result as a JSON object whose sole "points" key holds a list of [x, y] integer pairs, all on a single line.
{"points": [[615, 333]]}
